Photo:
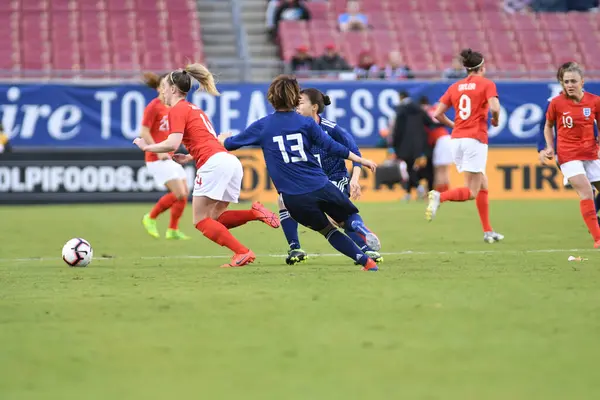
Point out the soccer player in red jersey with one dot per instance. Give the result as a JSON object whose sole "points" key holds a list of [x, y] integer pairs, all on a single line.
{"points": [[472, 98], [574, 113], [219, 177], [165, 171]]}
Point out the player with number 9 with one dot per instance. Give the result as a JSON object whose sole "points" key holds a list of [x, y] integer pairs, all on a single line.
{"points": [[574, 113], [219, 176], [472, 98], [286, 139]]}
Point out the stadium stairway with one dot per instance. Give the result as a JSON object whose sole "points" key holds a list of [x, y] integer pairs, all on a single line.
{"points": [[264, 55], [219, 37]]}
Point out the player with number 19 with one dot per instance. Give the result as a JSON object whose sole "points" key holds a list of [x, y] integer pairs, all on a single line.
{"points": [[219, 176], [472, 98], [286, 139], [574, 113]]}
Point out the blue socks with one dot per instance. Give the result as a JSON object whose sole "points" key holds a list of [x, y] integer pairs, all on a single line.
{"points": [[346, 246], [597, 202], [290, 229], [359, 240]]}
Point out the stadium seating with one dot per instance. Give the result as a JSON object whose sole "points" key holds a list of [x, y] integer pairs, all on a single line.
{"points": [[430, 32], [104, 37]]}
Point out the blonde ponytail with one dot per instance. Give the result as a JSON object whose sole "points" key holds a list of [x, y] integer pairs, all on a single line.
{"points": [[206, 79]]}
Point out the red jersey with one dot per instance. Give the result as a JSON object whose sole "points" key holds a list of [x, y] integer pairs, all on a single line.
{"points": [[156, 119], [434, 134], [469, 97], [575, 127], [199, 136]]}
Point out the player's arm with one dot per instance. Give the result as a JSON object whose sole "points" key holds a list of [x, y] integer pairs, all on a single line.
{"points": [[249, 137], [541, 140], [548, 153], [172, 143], [494, 103], [440, 115], [324, 141]]}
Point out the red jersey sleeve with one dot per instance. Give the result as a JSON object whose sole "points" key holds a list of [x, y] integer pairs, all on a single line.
{"points": [[551, 113], [598, 111], [491, 90], [447, 98], [149, 115], [177, 119]]}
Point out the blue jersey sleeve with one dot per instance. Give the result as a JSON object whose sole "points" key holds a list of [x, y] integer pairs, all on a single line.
{"points": [[249, 137], [343, 137], [324, 141]]}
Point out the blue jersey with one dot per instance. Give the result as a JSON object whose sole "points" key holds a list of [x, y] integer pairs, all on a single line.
{"points": [[333, 165], [286, 139]]}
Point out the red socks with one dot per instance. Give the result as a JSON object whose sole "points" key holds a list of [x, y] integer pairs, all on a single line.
{"points": [[483, 206], [458, 194], [217, 232], [442, 188], [176, 213], [588, 212], [163, 204], [235, 218]]}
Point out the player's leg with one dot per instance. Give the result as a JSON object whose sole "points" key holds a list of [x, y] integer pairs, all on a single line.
{"points": [[181, 191], [470, 157], [597, 201], [234, 218], [212, 193], [161, 174], [483, 208], [306, 209], [290, 230], [575, 172], [442, 159]]}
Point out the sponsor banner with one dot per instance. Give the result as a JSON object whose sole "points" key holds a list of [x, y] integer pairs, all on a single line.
{"points": [[123, 177], [109, 116]]}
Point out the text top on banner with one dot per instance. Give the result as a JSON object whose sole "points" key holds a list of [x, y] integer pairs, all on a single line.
{"points": [[80, 116]]}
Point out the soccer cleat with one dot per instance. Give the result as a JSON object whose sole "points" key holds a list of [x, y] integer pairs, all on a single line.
{"points": [[434, 204], [491, 237], [239, 260], [176, 234], [265, 215], [597, 244], [150, 225], [296, 256], [375, 256], [371, 266], [370, 238]]}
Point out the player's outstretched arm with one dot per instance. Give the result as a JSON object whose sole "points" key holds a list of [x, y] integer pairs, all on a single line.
{"points": [[172, 143], [372, 165], [249, 137], [440, 115]]}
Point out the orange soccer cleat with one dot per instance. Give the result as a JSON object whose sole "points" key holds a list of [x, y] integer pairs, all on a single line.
{"points": [[597, 244], [239, 260], [265, 215], [371, 266]]}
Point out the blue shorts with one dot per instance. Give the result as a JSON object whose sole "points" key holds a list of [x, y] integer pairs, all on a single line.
{"points": [[343, 185], [311, 209]]}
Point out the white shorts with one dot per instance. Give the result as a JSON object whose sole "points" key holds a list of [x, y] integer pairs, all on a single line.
{"points": [[470, 155], [590, 168], [220, 178], [164, 171], [442, 151]]}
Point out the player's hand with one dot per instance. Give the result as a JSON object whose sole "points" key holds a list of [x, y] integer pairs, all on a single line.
{"points": [[420, 162], [223, 136], [369, 164], [494, 122], [141, 143], [163, 156], [182, 158], [355, 190], [547, 154]]}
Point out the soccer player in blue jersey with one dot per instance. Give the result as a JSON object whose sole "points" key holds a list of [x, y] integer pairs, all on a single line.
{"points": [[312, 104], [287, 139], [541, 142]]}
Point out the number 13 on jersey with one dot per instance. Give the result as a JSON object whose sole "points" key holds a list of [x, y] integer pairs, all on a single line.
{"points": [[296, 145]]}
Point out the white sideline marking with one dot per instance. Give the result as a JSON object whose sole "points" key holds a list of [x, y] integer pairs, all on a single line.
{"points": [[399, 253]]}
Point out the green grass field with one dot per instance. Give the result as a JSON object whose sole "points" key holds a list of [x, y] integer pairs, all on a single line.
{"points": [[447, 316]]}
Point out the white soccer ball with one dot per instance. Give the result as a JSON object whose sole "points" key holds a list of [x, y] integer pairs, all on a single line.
{"points": [[77, 252]]}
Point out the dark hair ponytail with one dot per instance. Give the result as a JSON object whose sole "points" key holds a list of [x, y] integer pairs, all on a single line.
{"points": [[316, 97], [471, 60]]}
